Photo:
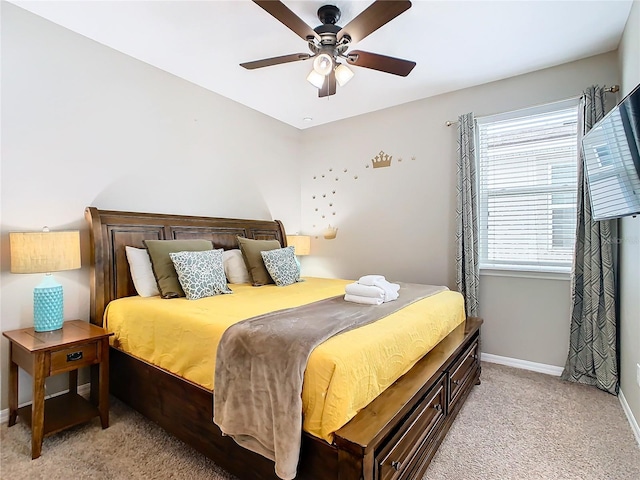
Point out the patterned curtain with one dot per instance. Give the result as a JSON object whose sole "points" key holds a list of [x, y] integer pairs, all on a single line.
{"points": [[593, 358], [467, 271]]}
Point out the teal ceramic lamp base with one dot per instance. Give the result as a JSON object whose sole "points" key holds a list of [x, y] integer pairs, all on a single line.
{"points": [[48, 311]]}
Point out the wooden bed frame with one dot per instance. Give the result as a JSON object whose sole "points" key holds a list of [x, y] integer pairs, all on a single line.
{"points": [[393, 438]]}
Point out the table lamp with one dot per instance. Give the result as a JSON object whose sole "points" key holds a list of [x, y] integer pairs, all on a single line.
{"points": [[45, 252], [301, 245]]}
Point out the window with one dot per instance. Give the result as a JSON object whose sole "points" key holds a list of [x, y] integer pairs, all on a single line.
{"points": [[528, 188]]}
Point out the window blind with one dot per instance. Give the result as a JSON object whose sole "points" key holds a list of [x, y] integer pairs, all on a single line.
{"points": [[528, 188]]}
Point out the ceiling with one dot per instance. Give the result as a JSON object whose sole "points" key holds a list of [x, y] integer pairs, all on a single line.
{"points": [[456, 44]]}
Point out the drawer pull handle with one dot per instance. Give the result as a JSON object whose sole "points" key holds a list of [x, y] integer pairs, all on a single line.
{"points": [[455, 382], [438, 407], [74, 357], [396, 465]]}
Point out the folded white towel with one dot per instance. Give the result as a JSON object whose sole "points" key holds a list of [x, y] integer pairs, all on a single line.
{"points": [[370, 279], [364, 290], [390, 289], [363, 300]]}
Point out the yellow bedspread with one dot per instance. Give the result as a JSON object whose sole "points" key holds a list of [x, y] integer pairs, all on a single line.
{"points": [[343, 374]]}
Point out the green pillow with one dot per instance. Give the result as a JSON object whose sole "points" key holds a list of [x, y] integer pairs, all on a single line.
{"points": [[251, 252], [163, 269]]}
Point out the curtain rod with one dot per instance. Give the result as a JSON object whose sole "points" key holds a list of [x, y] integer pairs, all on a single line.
{"points": [[611, 89]]}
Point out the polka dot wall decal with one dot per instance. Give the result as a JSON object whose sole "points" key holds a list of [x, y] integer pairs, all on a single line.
{"points": [[337, 179], [323, 175], [413, 158], [331, 204], [314, 197], [334, 192], [399, 159], [355, 177], [322, 216], [331, 169], [345, 170], [314, 177], [366, 166], [333, 213], [316, 209], [324, 195]]}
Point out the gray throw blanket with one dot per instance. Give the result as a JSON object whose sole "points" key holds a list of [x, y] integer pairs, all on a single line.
{"points": [[260, 367]]}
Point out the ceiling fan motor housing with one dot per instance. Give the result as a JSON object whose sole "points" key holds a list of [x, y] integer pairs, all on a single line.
{"points": [[329, 14], [328, 33]]}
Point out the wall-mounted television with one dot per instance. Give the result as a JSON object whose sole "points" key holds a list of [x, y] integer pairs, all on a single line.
{"points": [[612, 160]]}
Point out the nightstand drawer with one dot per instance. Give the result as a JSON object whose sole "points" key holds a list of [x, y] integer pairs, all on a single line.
{"points": [[74, 357]]}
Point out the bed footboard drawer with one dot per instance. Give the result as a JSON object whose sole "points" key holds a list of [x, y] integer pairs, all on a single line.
{"points": [[395, 459], [463, 372]]}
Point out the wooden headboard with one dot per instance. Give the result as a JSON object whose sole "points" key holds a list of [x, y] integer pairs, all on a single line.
{"points": [[111, 231]]}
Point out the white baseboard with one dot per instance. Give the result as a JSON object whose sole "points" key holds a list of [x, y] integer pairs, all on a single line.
{"points": [[632, 421], [83, 390], [523, 364], [557, 371]]}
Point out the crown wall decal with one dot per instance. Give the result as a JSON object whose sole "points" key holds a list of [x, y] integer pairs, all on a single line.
{"points": [[381, 160], [330, 232]]}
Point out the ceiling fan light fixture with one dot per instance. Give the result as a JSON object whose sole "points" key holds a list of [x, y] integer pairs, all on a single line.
{"points": [[343, 74], [323, 64], [315, 79], [328, 43]]}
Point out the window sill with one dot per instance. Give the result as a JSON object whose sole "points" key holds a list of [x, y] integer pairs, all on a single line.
{"points": [[511, 272]]}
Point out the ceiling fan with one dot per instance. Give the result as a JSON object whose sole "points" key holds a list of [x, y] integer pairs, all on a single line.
{"points": [[329, 42]]}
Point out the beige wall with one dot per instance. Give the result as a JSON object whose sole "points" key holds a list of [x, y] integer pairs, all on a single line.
{"points": [[85, 125], [629, 54], [399, 221]]}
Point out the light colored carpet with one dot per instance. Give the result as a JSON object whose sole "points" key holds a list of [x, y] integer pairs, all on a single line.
{"points": [[516, 425]]}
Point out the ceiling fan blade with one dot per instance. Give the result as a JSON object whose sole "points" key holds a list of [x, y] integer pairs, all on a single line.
{"points": [[266, 62], [329, 85], [372, 18], [281, 12], [396, 66]]}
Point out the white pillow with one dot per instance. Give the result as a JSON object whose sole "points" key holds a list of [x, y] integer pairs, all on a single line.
{"points": [[234, 267], [141, 272]]}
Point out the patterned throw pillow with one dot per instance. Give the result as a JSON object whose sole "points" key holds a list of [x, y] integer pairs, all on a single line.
{"points": [[282, 266], [163, 269], [201, 274]]}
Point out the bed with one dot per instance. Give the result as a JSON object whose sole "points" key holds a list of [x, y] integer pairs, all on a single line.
{"points": [[393, 437]]}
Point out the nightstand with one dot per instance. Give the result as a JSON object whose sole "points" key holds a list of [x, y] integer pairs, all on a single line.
{"points": [[43, 354]]}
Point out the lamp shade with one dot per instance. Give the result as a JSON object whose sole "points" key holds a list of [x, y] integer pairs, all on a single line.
{"points": [[323, 64], [315, 79], [43, 252], [343, 74], [301, 243]]}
